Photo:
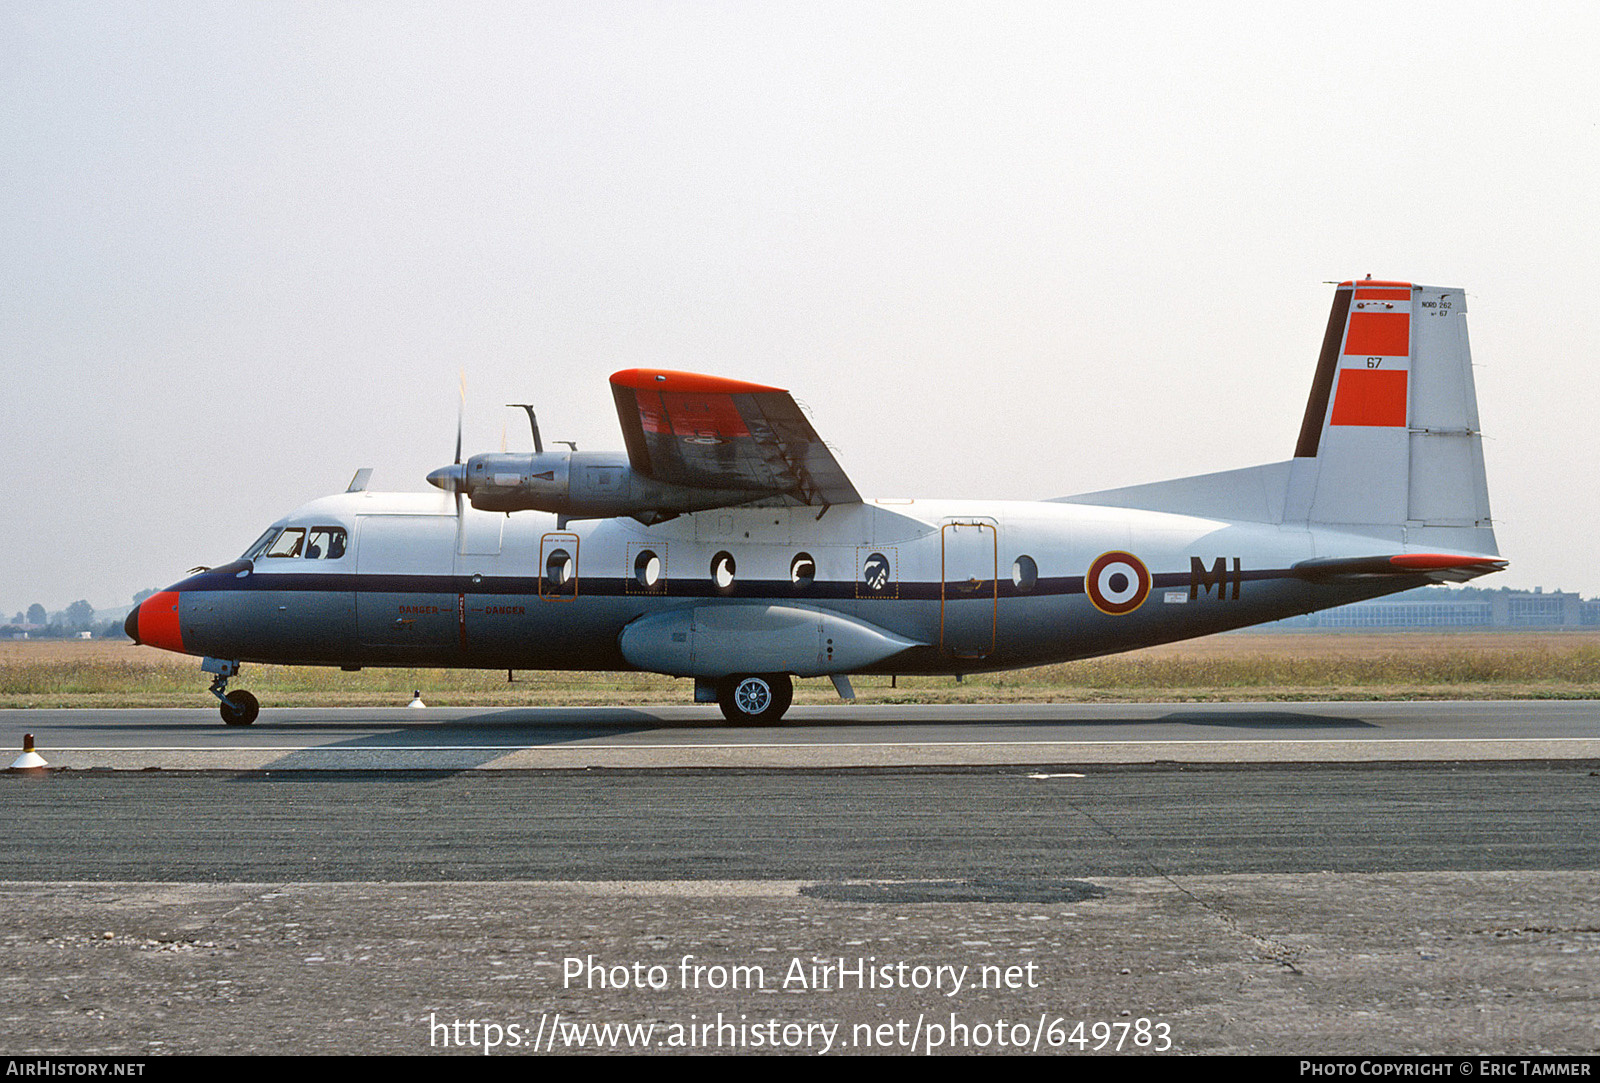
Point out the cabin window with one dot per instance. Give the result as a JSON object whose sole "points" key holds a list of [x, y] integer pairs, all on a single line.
{"points": [[802, 571], [289, 544], [325, 543], [722, 569], [1024, 573], [558, 572], [647, 569]]}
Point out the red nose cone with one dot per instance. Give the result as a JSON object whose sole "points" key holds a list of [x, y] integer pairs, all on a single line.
{"points": [[157, 619]]}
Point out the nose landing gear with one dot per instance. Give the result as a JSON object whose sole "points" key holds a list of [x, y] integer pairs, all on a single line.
{"points": [[238, 708]]}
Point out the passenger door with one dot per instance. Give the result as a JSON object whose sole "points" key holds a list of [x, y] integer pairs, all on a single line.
{"points": [[968, 590]]}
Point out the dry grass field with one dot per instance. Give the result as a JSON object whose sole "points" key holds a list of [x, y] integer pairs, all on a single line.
{"points": [[1259, 666]]}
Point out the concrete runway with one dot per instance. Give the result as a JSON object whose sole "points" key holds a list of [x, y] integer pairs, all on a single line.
{"points": [[1285, 878], [834, 736]]}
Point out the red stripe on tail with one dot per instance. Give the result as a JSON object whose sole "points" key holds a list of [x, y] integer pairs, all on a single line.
{"points": [[1379, 334], [1370, 397]]}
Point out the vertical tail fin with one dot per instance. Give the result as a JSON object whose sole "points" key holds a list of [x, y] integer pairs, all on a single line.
{"points": [[1389, 447], [1390, 444]]}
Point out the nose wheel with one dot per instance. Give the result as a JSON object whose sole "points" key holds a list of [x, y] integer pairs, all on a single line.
{"points": [[239, 708], [755, 699]]}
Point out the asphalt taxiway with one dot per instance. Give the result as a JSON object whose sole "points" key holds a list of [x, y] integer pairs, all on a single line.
{"points": [[1013, 825]]}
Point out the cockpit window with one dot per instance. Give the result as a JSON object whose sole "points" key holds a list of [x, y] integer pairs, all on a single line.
{"points": [[326, 542], [261, 544], [289, 543], [314, 543]]}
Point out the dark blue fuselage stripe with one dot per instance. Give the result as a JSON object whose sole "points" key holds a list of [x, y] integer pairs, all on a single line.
{"points": [[238, 577]]}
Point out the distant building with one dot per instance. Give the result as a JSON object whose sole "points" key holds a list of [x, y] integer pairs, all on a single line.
{"points": [[1445, 607]]}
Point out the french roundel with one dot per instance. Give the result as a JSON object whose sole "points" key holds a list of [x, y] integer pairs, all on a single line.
{"points": [[1117, 583]]}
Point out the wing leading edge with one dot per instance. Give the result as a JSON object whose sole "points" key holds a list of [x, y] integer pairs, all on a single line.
{"points": [[706, 432]]}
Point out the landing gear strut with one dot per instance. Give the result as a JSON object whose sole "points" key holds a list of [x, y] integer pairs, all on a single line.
{"points": [[238, 708], [755, 699]]}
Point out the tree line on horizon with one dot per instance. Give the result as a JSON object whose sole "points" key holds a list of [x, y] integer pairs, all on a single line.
{"points": [[37, 623]]}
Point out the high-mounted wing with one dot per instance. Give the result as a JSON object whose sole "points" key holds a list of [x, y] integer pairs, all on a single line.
{"points": [[682, 428]]}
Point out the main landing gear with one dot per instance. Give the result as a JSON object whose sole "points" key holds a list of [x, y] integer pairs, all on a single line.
{"points": [[755, 699], [238, 708]]}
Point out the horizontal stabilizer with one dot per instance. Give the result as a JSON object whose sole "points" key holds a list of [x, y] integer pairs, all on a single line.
{"points": [[1438, 567]]}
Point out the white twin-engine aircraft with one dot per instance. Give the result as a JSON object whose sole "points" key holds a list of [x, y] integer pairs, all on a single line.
{"points": [[728, 545]]}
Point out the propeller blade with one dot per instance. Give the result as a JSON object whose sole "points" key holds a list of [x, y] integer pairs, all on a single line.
{"points": [[459, 476], [453, 478], [461, 409], [460, 523]]}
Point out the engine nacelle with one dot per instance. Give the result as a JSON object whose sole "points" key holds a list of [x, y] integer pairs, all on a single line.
{"points": [[582, 485]]}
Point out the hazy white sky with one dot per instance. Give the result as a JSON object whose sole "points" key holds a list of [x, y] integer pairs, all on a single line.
{"points": [[1010, 250]]}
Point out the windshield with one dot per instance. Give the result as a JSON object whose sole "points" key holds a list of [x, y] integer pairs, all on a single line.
{"points": [[309, 543], [306, 543], [261, 543]]}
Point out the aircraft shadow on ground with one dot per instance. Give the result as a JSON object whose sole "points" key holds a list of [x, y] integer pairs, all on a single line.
{"points": [[475, 738], [470, 741], [1265, 720], [534, 726]]}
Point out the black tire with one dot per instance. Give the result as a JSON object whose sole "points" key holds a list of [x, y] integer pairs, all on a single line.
{"points": [[755, 699], [239, 708]]}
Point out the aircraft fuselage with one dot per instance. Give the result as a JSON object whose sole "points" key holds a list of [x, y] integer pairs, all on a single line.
{"points": [[968, 586]]}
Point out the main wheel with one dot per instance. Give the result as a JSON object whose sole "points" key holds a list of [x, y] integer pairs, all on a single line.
{"points": [[239, 708], [756, 699]]}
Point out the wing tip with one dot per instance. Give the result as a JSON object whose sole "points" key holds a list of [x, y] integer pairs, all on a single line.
{"points": [[690, 382]]}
